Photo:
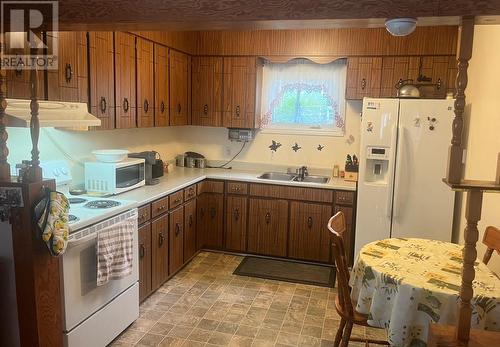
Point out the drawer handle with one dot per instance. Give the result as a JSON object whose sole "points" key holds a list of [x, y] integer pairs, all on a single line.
{"points": [[363, 83], [190, 220], [213, 212], [205, 109], [160, 239], [238, 111], [177, 229], [103, 105], [309, 222], [179, 108], [202, 212], [268, 218], [142, 250], [143, 216], [161, 208], [68, 73], [146, 105], [176, 201], [125, 105], [236, 214], [439, 84], [162, 107], [191, 191], [236, 189]]}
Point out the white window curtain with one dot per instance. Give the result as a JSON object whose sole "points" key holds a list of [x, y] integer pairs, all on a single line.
{"points": [[304, 97]]}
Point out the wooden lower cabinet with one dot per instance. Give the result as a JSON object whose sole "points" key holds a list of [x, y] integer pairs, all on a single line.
{"points": [[189, 229], [309, 238], [159, 245], [176, 240], [144, 261], [210, 220], [268, 227], [236, 223]]}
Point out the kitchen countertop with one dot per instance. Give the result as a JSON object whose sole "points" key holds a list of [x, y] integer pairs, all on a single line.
{"points": [[180, 178]]}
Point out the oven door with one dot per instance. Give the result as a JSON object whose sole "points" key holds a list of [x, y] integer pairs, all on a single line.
{"points": [[129, 177], [81, 295]]}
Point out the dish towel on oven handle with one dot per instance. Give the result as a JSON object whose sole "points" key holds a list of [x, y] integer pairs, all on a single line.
{"points": [[115, 251]]}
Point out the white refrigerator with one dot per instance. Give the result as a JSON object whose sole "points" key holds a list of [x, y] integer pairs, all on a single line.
{"points": [[403, 159]]}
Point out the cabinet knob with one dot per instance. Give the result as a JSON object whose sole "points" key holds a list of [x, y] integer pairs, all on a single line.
{"points": [[125, 105], [142, 250], [213, 212], [102, 104], [205, 109], [177, 229], [160, 239], [162, 107], [179, 108], [236, 214], [363, 83], [68, 73], [190, 220], [309, 222], [268, 218], [146, 105]]}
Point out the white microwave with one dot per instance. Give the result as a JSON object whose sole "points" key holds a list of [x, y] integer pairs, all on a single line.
{"points": [[114, 178]]}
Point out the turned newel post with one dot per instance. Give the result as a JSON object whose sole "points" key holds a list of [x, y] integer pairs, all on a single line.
{"points": [[4, 151], [464, 53], [35, 171]]}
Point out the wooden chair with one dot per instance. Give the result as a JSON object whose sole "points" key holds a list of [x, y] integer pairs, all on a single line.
{"points": [[343, 304], [491, 239]]}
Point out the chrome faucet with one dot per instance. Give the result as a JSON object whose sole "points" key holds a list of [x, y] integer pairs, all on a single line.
{"points": [[302, 172]]}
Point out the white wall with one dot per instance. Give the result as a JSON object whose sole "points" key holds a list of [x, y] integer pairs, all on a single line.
{"points": [[211, 142], [483, 145]]}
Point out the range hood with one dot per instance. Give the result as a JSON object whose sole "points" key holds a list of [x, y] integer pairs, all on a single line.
{"points": [[55, 114]]}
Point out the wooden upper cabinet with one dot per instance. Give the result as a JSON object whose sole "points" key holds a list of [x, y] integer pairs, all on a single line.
{"points": [[437, 68], [239, 87], [395, 70], [126, 109], [18, 81], [309, 238], [145, 83], [206, 91], [267, 227], [363, 77], [102, 87], [69, 82], [179, 67], [161, 86]]}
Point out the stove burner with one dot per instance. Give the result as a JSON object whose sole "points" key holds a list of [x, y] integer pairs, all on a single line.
{"points": [[72, 218], [77, 200], [97, 204]]}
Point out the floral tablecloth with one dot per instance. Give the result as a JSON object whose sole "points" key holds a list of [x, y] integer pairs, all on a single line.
{"points": [[404, 284]]}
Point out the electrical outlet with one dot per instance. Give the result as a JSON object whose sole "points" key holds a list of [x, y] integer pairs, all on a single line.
{"points": [[227, 151]]}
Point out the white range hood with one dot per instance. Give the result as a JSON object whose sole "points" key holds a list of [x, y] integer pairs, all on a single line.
{"points": [[55, 114]]}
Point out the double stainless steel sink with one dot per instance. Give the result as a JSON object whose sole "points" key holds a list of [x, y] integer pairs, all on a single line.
{"points": [[291, 177]]}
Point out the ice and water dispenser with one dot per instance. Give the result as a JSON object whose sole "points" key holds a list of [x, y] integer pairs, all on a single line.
{"points": [[377, 164]]}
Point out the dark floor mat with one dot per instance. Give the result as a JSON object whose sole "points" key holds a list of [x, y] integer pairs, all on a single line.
{"points": [[287, 270]]}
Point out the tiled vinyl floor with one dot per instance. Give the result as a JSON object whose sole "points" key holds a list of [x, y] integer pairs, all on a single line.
{"points": [[206, 305]]}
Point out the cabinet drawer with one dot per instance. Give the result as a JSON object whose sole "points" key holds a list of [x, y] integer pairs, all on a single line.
{"points": [[144, 214], [176, 199], [159, 206], [190, 192], [211, 187], [344, 198], [292, 193], [237, 188]]}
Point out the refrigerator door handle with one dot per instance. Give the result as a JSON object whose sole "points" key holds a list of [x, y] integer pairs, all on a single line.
{"points": [[390, 188], [399, 165]]}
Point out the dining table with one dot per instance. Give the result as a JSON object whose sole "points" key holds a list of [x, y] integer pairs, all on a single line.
{"points": [[404, 284]]}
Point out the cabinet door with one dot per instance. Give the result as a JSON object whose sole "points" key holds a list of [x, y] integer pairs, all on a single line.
{"points": [[179, 84], [236, 223], [159, 245], [144, 261], [161, 86], [145, 83], [210, 220], [268, 226], [349, 235], [69, 82], [102, 87], [394, 69], [309, 238], [176, 240], [126, 108], [363, 77], [207, 91], [189, 229], [437, 69], [238, 104]]}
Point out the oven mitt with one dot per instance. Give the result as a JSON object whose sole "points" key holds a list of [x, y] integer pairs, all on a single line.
{"points": [[51, 218]]}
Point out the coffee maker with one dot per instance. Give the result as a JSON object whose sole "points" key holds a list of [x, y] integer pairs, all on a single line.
{"points": [[154, 167]]}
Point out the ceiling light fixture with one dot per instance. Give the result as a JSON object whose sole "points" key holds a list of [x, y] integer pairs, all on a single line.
{"points": [[401, 26]]}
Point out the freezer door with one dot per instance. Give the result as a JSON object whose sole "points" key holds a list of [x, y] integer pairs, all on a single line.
{"points": [[423, 204], [375, 183]]}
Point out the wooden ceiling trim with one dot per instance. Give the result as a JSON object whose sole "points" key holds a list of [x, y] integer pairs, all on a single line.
{"points": [[439, 40], [184, 41], [315, 59]]}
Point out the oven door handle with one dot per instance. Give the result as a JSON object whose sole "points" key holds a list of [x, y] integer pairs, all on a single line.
{"points": [[76, 242]]}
